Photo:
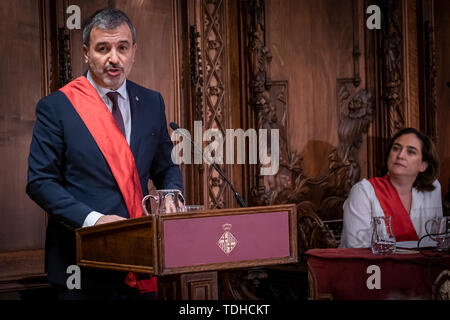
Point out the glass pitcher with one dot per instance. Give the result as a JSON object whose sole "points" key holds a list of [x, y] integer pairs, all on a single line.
{"points": [[438, 229], [167, 201], [383, 239]]}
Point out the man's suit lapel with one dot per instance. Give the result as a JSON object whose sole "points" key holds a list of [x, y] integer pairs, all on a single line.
{"points": [[135, 107]]}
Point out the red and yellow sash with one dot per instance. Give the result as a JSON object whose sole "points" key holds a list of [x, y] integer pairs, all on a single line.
{"points": [[392, 206], [115, 149]]}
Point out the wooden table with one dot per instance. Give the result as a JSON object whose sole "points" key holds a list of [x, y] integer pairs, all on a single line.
{"points": [[358, 274]]}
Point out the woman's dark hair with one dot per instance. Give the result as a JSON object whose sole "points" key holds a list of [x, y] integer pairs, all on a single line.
{"points": [[424, 181]]}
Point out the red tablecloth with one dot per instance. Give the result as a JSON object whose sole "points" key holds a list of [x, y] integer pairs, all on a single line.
{"points": [[351, 274]]}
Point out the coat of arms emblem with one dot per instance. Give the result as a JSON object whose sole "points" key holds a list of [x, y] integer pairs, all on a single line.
{"points": [[227, 242]]}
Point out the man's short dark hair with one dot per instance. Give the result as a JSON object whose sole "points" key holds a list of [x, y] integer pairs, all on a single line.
{"points": [[108, 18]]}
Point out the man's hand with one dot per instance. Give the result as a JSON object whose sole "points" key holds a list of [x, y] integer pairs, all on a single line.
{"points": [[170, 205], [108, 219]]}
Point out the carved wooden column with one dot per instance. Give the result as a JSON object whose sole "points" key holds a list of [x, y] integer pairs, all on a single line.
{"points": [[55, 49], [427, 68], [385, 56], [216, 87], [195, 177], [403, 73], [392, 68], [210, 92], [258, 90]]}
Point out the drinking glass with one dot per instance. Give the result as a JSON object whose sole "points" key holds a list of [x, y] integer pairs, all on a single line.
{"points": [[383, 239]]}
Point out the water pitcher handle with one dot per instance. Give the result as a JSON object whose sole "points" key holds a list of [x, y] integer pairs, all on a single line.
{"points": [[184, 201], [182, 205], [149, 207], [176, 194]]}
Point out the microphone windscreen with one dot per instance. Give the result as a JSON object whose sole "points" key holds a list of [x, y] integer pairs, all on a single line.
{"points": [[174, 126]]}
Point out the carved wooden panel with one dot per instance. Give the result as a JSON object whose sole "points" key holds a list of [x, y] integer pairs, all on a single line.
{"points": [[169, 288], [319, 177], [216, 114], [199, 286], [190, 286]]}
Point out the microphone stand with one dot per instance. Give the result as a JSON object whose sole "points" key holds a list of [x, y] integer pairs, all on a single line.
{"points": [[238, 197]]}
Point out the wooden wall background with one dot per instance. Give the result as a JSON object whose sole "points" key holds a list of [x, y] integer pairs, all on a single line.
{"points": [[442, 29], [156, 62], [311, 50], [335, 90], [22, 223]]}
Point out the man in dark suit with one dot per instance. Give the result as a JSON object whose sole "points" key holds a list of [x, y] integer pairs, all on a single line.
{"points": [[96, 143]]}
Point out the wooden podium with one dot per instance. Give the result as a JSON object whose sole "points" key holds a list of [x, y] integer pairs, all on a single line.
{"points": [[193, 242]]}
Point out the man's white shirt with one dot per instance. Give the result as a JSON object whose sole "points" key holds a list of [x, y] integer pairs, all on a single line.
{"points": [[125, 110]]}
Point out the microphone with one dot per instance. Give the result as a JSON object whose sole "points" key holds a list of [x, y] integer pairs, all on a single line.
{"points": [[238, 197]]}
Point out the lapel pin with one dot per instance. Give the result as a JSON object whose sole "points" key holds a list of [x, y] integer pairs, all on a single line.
{"points": [[137, 99]]}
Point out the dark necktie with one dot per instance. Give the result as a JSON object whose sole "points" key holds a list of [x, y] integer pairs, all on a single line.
{"points": [[115, 110]]}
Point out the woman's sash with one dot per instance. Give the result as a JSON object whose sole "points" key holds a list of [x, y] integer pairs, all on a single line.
{"points": [[392, 206]]}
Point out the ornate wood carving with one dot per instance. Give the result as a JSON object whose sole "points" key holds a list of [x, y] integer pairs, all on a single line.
{"points": [[356, 48], [215, 117], [64, 59], [242, 284], [259, 58], [429, 111], [356, 110], [392, 67], [196, 72], [385, 61]]}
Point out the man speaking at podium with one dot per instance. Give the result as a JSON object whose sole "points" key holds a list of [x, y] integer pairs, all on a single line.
{"points": [[96, 143]]}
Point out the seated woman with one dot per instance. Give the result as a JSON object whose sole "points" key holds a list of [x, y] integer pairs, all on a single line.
{"points": [[409, 192]]}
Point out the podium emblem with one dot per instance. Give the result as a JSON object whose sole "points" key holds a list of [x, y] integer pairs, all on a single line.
{"points": [[227, 242]]}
